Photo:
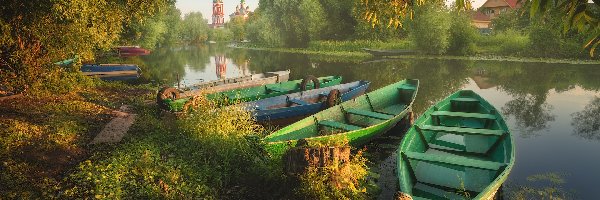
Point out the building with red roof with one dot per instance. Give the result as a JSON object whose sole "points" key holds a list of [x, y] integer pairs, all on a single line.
{"points": [[491, 9]]}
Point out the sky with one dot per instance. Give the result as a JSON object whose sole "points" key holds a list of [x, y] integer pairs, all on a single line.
{"points": [[205, 6]]}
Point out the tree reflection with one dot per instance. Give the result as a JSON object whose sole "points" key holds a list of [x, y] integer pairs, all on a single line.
{"points": [[531, 114], [587, 121]]}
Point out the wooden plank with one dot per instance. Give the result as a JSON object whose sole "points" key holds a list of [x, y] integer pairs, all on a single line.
{"points": [[370, 114], [459, 130], [464, 99], [464, 114], [298, 101], [407, 87], [455, 160], [339, 125]]}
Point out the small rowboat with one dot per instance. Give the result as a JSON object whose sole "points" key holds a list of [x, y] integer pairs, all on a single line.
{"points": [[126, 51], [459, 148], [255, 93], [304, 103], [380, 52], [220, 85], [358, 120], [110, 69]]}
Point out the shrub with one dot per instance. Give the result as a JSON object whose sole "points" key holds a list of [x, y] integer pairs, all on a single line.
{"points": [[507, 43], [544, 40], [430, 30], [462, 35], [220, 34], [336, 181], [261, 29]]}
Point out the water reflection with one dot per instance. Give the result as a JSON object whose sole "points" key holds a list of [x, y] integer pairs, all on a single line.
{"points": [[586, 123], [541, 186], [535, 98]]}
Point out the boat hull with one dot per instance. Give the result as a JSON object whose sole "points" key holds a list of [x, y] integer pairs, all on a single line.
{"points": [[460, 144], [360, 130], [237, 83], [263, 109], [379, 53], [110, 69]]}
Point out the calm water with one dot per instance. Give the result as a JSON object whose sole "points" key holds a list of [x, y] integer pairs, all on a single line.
{"points": [[553, 110]]}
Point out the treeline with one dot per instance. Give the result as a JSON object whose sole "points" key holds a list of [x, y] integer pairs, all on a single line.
{"points": [[294, 23], [433, 28]]}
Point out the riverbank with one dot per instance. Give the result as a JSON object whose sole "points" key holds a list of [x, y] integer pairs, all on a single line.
{"points": [[349, 51]]}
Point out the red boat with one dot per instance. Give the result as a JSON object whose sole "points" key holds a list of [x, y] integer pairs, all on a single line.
{"points": [[126, 51]]}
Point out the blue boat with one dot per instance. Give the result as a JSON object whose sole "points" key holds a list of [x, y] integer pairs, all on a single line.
{"points": [[110, 69], [282, 109]]}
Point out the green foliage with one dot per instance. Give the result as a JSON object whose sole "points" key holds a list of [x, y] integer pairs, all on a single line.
{"points": [[545, 40], [357, 45], [220, 34], [339, 21], [299, 21], [462, 35], [37, 33], [238, 28], [507, 43], [336, 181], [194, 28], [511, 19], [263, 30], [430, 30]]}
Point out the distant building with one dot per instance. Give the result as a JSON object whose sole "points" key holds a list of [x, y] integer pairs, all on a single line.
{"points": [[482, 18], [218, 19], [241, 11]]}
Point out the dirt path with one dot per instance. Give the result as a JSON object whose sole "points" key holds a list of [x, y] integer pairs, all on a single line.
{"points": [[114, 131]]}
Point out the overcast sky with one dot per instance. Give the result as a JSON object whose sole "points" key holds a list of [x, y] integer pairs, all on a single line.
{"points": [[205, 6]]}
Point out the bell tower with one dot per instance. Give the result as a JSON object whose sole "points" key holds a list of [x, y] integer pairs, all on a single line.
{"points": [[218, 14]]}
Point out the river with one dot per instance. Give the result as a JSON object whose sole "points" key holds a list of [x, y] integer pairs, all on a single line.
{"points": [[553, 110]]}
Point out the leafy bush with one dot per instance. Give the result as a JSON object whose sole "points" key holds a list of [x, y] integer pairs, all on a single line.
{"points": [[336, 181], [263, 30], [544, 40], [429, 30], [507, 43], [462, 35], [220, 34]]}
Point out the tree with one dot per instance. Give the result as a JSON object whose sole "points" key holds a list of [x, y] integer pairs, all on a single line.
{"points": [[194, 28], [237, 27], [429, 29], [37, 33], [299, 21], [576, 14], [263, 30]]}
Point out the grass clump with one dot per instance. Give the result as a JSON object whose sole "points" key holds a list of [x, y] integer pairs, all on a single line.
{"points": [[336, 181]]}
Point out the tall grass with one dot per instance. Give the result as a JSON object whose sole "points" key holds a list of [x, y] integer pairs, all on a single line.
{"points": [[357, 45]]}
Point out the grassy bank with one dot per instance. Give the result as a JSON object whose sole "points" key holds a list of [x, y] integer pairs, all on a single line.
{"points": [[212, 154], [498, 48]]}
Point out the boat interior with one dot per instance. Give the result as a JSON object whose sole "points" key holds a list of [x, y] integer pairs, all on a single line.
{"points": [[455, 150]]}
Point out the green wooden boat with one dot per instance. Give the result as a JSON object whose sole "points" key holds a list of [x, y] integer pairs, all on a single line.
{"points": [[258, 92], [357, 120], [459, 148]]}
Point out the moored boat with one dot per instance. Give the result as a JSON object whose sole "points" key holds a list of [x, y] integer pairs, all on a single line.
{"points": [[459, 148], [254, 93], [132, 51], [357, 121], [396, 52], [304, 103], [221, 85], [110, 69]]}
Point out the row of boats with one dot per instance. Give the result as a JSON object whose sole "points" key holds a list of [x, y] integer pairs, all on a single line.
{"points": [[458, 148]]}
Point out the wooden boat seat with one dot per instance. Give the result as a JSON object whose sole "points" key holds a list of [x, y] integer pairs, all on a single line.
{"points": [[465, 99], [455, 160], [407, 87], [464, 115], [392, 110], [278, 89], [370, 114], [459, 130], [339, 125], [298, 101]]}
